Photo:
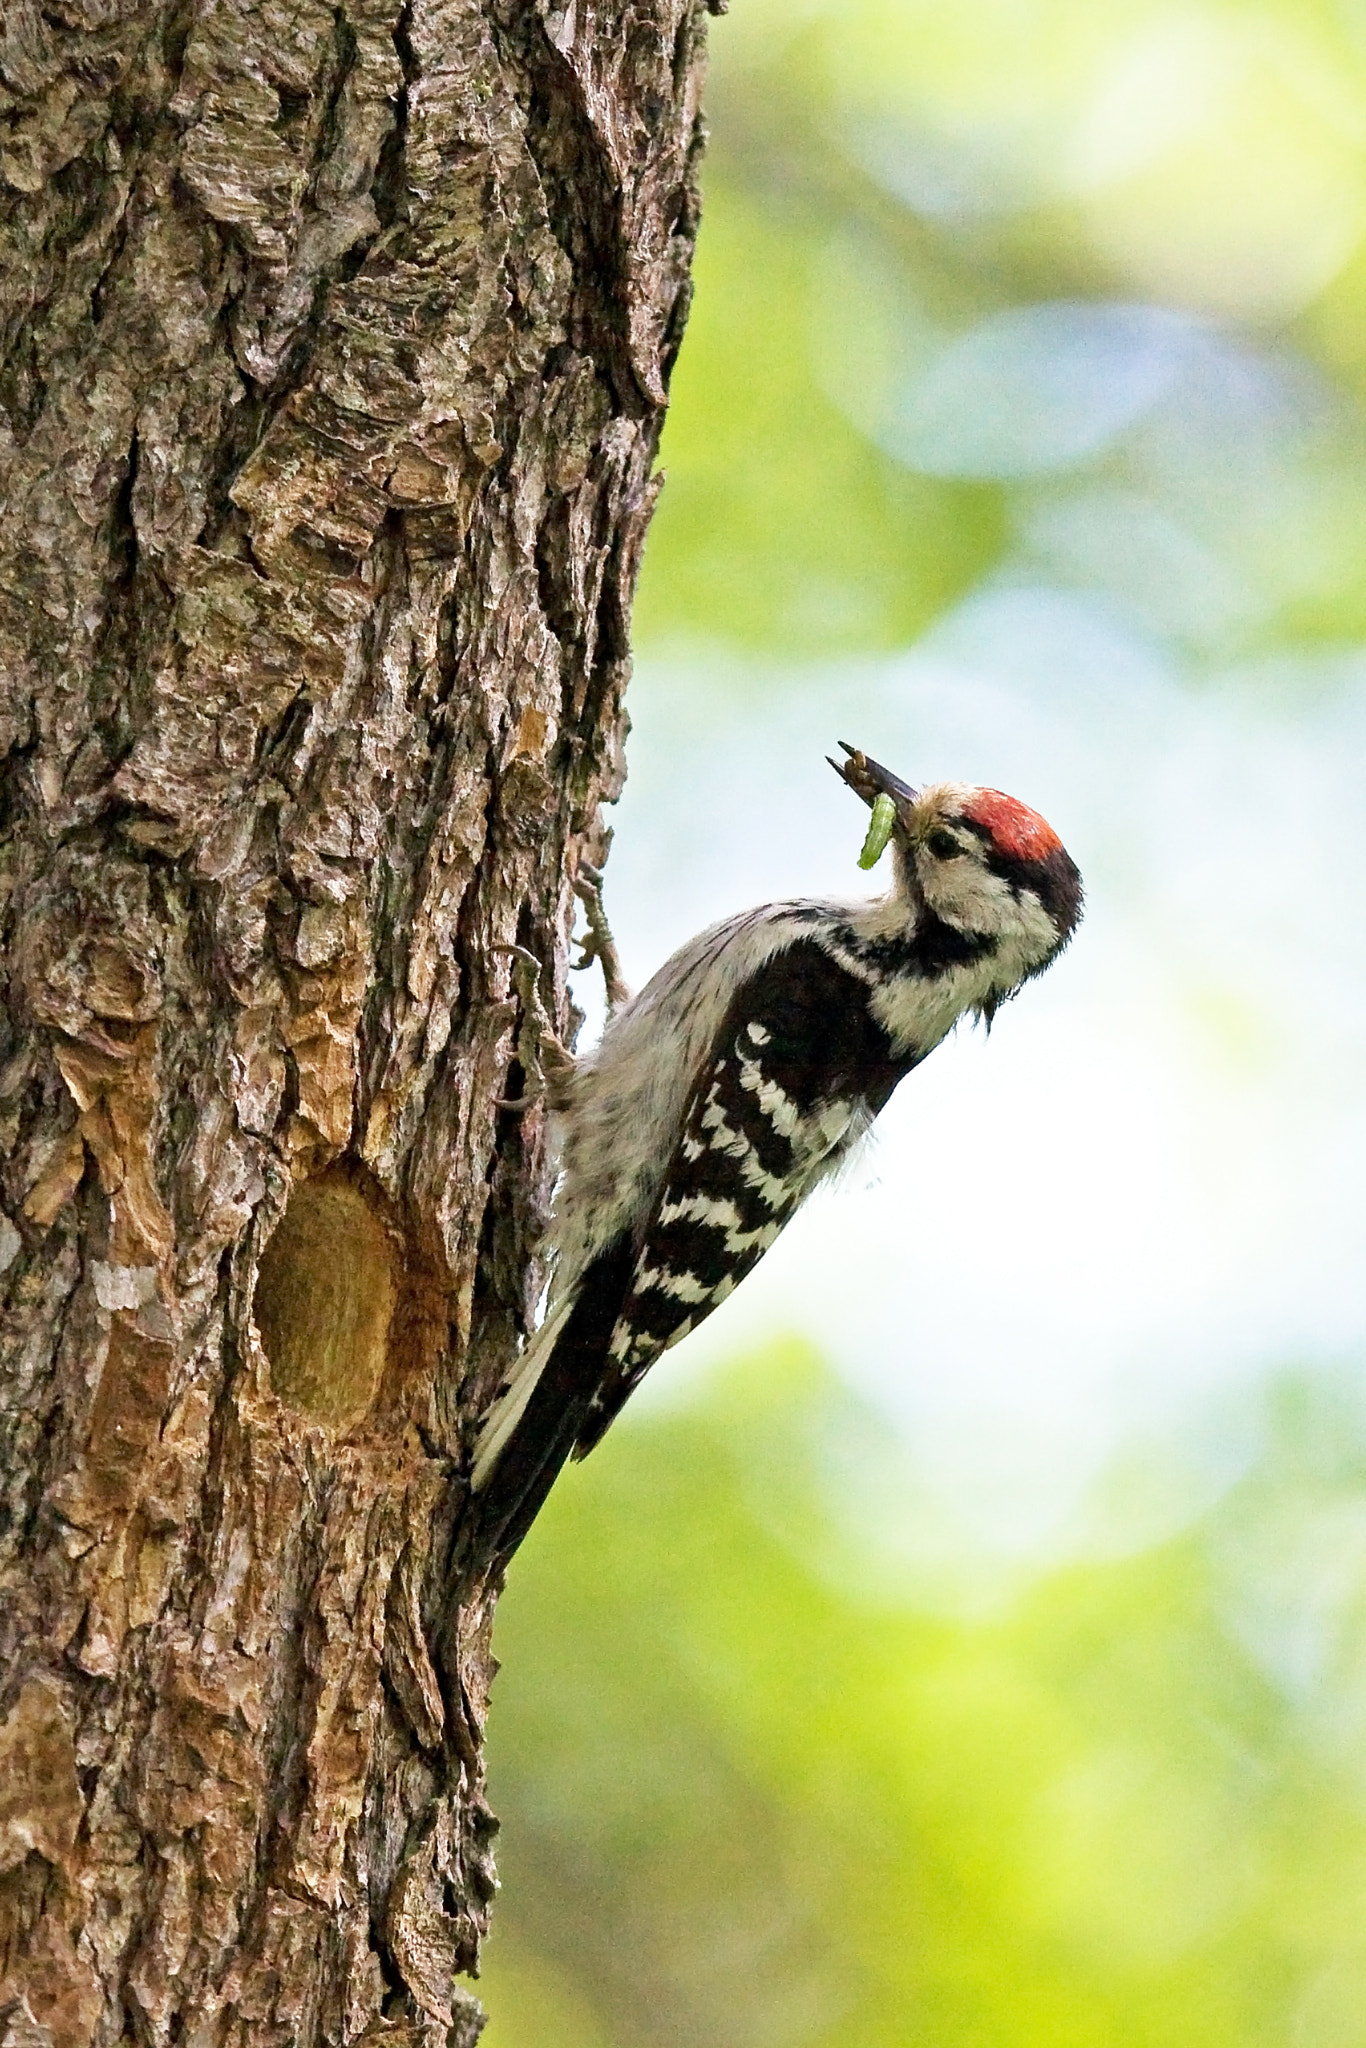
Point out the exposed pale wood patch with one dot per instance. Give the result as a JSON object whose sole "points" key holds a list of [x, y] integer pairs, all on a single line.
{"points": [[326, 1289]]}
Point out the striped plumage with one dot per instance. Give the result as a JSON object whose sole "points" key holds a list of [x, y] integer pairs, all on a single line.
{"points": [[736, 1081]]}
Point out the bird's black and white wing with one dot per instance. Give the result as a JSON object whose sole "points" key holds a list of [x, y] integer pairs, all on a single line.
{"points": [[775, 1108]]}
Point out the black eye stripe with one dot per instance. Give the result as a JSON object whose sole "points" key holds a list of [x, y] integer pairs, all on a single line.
{"points": [[1054, 880]]}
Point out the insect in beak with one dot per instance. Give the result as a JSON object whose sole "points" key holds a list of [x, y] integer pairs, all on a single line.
{"points": [[869, 779], [888, 795]]}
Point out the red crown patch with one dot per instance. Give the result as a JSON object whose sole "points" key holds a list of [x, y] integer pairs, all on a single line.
{"points": [[1017, 830]]}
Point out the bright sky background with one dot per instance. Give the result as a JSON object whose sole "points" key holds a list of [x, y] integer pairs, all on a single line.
{"points": [[1146, 1185]]}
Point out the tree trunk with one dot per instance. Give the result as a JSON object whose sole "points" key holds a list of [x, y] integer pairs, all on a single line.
{"points": [[336, 340]]}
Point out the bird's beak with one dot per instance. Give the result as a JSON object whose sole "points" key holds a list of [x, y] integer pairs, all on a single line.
{"points": [[869, 779]]}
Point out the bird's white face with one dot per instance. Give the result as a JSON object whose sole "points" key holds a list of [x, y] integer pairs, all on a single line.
{"points": [[988, 865]]}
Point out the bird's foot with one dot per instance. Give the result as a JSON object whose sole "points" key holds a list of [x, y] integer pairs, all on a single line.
{"points": [[545, 1062], [597, 942]]}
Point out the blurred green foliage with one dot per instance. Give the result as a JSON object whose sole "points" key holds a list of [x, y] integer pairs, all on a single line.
{"points": [[887, 180], [755, 1793], [781, 522]]}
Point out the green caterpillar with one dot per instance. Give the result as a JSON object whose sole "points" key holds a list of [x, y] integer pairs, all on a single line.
{"points": [[879, 831]]}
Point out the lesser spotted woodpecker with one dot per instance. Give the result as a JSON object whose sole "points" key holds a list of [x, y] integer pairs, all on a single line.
{"points": [[734, 1083]]}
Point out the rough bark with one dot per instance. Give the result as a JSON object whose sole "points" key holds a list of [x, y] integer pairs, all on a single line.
{"points": [[336, 339]]}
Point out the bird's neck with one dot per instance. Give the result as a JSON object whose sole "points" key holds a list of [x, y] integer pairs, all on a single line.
{"points": [[922, 973]]}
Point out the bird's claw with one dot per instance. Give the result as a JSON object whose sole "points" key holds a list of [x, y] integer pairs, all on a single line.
{"points": [[545, 1062], [597, 943], [521, 954]]}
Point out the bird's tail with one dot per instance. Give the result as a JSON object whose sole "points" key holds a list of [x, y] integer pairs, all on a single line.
{"points": [[496, 1429], [539, 1415]]}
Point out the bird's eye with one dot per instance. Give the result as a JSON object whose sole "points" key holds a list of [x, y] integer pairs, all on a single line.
{"points": [[943, 845]]}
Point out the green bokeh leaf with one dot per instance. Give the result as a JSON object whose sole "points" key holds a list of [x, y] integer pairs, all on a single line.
{"points": [[750, 1799], [782, 525]]}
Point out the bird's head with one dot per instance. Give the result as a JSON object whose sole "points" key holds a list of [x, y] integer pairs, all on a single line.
{"points": [[980, 861]]}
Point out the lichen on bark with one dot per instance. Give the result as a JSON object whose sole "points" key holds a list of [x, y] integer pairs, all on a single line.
{"points": [[336, 341]]}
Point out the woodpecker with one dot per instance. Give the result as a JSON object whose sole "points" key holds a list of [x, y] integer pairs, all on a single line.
{"points": [[738, 1079]]}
